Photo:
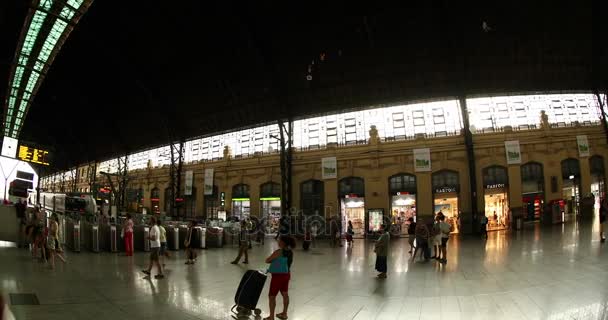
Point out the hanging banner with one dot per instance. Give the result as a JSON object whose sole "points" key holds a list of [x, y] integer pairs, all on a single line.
{"points": [[583, 146], [208, 184], [513, 152], [422, 160], [188, 186], [329, 168]]}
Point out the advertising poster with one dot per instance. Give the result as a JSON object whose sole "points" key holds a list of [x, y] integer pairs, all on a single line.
{"points": [[189, 178], [583, 146], [208, 183], [513, 152], [329, 168], [422, 160]]}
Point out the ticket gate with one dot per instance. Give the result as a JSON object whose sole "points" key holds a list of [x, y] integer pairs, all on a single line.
{"points": [[73, 235], [214, 237], [172, 238], [113, 239], [94, 238], [199, 238], [140, 238]]}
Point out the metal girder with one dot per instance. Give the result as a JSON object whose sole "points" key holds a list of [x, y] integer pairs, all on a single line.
{"points": [[175, 175], [92, 177], [468, 141], [286, 158]]}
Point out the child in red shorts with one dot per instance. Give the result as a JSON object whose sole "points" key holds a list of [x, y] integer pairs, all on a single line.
{"points": [[280, 280]]}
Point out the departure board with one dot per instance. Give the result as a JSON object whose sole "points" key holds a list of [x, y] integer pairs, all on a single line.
{"points": [[33, 155]]}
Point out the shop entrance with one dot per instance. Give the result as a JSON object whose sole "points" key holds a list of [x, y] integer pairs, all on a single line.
{"points": [[241, 203], [402, 190], [571, 186], [446, 188], [598, 181], [352, 205], [496, 200], [155, 200], [533, 190], [270, 202]]}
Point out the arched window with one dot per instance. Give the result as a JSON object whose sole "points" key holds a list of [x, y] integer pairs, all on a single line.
{"points": [[270, 190], [596, 165], [240, 191], [445, 181], [351, 185], [402, 183], [532, 178], [495, 176], [240, 201], [311, 193], [571, 169]]}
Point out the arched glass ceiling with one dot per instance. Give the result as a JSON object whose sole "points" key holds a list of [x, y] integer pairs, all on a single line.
{"points": [[48, 24]]}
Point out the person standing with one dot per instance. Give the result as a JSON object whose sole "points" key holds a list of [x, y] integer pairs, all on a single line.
{"points": [[163, 242], [411, 233], [444, 229], [154, 238], [52, 242], [188, 243], [20, 208], [603, 215], [350, 232], [436, 238], [243, 246], [422, 239], [127, 230], [484, 227], [280, 269], [381, 250]]}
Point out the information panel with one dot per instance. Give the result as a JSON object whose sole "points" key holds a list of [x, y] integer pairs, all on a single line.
{"points": [[33, 155]]}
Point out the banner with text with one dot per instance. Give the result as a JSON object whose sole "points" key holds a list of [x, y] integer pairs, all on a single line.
{"points": [[583, 146], [329, 168], [188, 186], [513, 152], [208, 183], [422, 160]]}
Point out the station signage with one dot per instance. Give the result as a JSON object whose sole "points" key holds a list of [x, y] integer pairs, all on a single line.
{"points": [[446, 189], [496, 186], [33, 155]]}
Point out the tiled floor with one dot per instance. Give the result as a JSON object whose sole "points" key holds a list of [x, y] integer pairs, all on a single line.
{"points": [[559, 272]]}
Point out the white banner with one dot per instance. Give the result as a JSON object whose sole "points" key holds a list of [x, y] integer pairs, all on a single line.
{"points": [[422, 160], [329, 168], [513, 152], [189, 181], [208, 184], [583, 146]]}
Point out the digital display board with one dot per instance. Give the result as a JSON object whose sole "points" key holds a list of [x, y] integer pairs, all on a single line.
{"points": [[33, 155]]}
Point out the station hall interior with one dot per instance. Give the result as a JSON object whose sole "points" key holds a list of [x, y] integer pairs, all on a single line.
{"points": [[425, 160]]}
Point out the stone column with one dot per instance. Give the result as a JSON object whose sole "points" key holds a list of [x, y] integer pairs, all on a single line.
{"points": [[515, 198]]}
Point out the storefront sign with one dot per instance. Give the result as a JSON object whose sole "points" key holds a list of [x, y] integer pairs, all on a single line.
{"points": [[513, 152], [402, 193], [583, 146], [189, 178], [222, 199], [422, 160], [446, 189], [329, 168], [208, 183], [495, 186]]}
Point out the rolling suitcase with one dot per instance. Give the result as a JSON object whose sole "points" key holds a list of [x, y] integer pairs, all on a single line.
{"points": [[249, 291]]}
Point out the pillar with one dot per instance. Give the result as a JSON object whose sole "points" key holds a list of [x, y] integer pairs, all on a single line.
{"points": [[254, 200], [585, 176], [424, 197], [515, 198], [330, 197]]}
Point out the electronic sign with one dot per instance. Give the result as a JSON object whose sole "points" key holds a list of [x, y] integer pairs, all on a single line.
{"points": [[33, 155]]}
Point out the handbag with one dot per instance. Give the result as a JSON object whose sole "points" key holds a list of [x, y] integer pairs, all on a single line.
{"points": [[278, 265]]}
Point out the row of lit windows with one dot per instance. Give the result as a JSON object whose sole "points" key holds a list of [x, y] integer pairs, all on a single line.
{"points": [[431, 119]]}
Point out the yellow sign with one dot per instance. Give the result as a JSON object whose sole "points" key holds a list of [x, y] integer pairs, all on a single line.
{"points": [[33, 155]]}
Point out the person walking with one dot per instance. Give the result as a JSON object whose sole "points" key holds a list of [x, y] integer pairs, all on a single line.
{"points": [[411, 233], [190, 255], [603, 215], [52, 242], [243, 246], [422, 240], [350, 232], [444, 229], [280, 269], [381, 250], [484, 227], [163, 242], [127, 231], [154, 238]]}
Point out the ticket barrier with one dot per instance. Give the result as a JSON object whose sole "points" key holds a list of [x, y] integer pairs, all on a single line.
{"points": [[140, 238], [172, 237], [90, 234], [108, 238], [73, 235], [199, 237], [214, 237], [183, 232]]}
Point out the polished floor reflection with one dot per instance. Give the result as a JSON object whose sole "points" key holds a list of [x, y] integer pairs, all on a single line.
{"points": [[559, 272]]}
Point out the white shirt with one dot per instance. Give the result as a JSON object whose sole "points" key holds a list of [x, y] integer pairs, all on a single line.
{"points": [[155, 233], [444, 227]]}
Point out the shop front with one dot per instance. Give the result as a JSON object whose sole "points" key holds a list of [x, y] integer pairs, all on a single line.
{"points": [[446, 191], [351, 191], [571, 180], [155, 200], [496, 197], [241, 202], [270, 203], [402, 192], [533, 190], [598, 180]]}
